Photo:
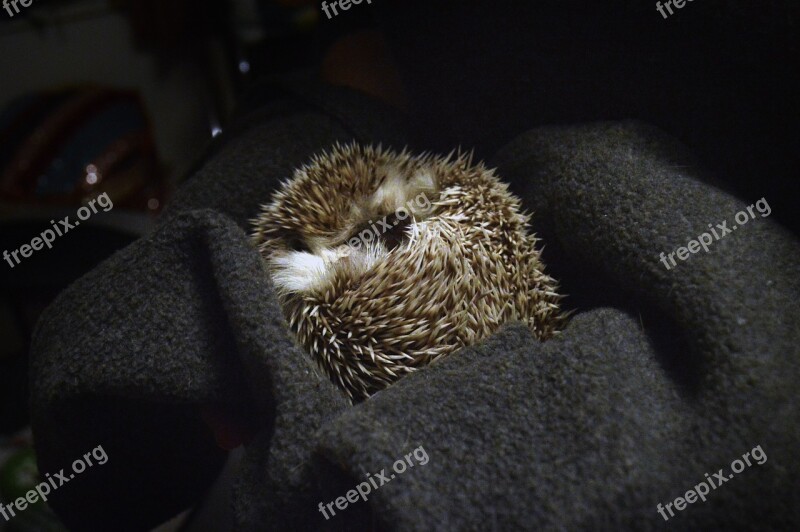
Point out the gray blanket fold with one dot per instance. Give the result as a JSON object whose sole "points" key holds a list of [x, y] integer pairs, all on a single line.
{"points": [[672, 374]]}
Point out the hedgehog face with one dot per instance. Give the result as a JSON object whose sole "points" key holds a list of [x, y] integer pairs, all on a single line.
{"points": [[323, 228], [384, 262]]}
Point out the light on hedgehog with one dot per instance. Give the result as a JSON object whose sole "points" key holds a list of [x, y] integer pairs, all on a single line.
{"points": [[451, 276]]}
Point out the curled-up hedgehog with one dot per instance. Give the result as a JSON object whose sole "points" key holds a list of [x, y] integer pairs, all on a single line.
{"points": [[385, 262]]}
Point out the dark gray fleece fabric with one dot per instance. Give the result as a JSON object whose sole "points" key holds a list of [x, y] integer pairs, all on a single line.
{"points": [[661, 376]]}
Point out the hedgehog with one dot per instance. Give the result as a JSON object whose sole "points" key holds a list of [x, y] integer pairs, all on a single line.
{"points": [[384, 262]]}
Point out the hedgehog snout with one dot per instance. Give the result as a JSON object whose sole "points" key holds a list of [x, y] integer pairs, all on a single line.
{"points": [[336, 254]]}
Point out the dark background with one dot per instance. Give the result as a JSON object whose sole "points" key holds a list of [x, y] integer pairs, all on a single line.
{"points": [[720, 76]]}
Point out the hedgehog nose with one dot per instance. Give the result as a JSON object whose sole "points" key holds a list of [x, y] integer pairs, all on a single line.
{"points": [[337, 253]]}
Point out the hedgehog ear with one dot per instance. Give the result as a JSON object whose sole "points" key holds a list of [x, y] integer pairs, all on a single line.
{"points": [[424, 179]]}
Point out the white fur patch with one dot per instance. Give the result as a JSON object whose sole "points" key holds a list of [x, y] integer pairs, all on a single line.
{"points": [[300, 271]]}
